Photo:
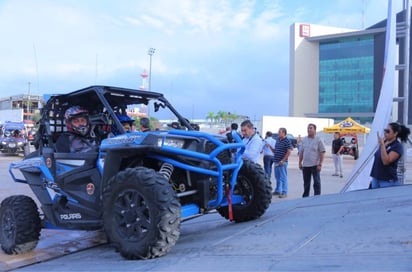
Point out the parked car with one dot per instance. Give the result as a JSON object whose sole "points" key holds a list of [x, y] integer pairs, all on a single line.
{"points": [[350, 142], [291, 138]]}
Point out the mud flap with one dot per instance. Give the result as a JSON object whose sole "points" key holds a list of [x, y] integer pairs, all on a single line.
{"points": [[229, 202]]}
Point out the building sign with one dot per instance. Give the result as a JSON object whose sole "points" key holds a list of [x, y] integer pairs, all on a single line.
{"points": [[304, 30]]}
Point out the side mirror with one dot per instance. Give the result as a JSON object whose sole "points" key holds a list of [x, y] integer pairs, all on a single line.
{"points": [[48, 155]]}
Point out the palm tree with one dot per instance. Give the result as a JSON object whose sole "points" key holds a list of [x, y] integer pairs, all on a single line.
{"points": [[211, 117], [219, 116], [232, 117], [226, 117]]}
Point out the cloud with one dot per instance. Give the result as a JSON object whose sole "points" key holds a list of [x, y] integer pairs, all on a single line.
{"points": [[211, 52], [133, 21]]}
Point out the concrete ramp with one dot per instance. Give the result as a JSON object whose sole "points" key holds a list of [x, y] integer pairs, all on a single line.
{"points": [[53, 244], [367, 230]]}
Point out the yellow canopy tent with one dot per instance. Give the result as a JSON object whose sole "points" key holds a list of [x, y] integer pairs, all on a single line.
{"points": [[347, 126]]}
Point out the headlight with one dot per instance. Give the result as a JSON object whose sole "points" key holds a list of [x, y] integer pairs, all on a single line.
{"points": [[3, 143], [19, 143], [178, 143]]}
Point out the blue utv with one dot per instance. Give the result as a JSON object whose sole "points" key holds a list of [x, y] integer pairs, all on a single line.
{"points": [[13, 139], [136, 186]]}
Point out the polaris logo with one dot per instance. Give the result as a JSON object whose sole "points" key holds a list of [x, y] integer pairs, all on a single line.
{"points": [[70, 216]]}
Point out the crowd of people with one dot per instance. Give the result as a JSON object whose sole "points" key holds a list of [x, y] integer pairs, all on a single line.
{"points": [[275, 152], [311, 154]]}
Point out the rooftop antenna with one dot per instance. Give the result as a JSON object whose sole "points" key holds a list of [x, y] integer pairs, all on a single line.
{"points": [[96, 70], [363, 13], [37, 67]]}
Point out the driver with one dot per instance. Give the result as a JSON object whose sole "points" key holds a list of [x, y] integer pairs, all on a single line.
{"points": [[77, 138]]}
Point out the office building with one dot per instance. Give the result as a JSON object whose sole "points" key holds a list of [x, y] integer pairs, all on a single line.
{"points": [[337, 72]]}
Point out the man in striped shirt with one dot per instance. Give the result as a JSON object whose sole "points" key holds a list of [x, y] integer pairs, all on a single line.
{"points": [[283, 148]]}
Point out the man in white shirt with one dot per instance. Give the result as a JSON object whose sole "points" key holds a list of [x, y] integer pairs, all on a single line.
{"points": [[253, 142]]}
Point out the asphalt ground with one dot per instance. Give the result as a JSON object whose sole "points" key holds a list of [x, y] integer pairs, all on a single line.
{"points": [[366, 230]]}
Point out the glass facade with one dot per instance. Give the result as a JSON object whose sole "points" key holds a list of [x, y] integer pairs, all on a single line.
{"points": [[346, 68]]}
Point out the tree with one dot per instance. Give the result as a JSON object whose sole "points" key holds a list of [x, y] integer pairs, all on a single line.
{"points": [[220, 116], [210, 116], [226, 117], [232, 117]]}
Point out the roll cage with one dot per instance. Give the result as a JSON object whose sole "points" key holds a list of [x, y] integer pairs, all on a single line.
{"points": [[104, 103]]}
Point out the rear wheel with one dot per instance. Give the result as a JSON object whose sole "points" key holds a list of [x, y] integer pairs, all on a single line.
{"points": [[356, 153], [20, 224], [255, 188], [141, 213]]}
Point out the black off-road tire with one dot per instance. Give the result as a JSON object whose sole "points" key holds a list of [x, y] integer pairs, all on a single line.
{"points": [[141, 213], [224, 157], [20, 224], [255, 188], [356, 153]]}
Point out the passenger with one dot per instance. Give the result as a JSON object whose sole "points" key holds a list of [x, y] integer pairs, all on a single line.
{"points": [[78, 138], [16, 133], [127, 122]]}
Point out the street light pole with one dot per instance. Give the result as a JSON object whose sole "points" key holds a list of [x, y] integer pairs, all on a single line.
{"points": [[150, 53], [28, 102]]}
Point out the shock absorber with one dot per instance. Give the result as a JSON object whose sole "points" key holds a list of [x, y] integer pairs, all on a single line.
{"points": [[166, 170]]}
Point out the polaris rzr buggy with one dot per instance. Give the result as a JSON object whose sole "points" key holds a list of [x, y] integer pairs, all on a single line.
{"points": [[138, 187], [13, 139]]}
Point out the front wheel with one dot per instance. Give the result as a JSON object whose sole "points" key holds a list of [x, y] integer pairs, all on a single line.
{"points": [[255, 188], [141, 213], [20, 224]]}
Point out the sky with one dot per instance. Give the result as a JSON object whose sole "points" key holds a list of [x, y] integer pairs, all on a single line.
{"points": [[210, 55]]}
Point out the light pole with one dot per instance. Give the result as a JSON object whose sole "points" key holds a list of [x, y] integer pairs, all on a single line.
{"points": [[28, 102], [150, 53]]}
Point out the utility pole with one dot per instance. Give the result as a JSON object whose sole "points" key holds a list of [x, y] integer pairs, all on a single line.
{"points": [[150, 53]]}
